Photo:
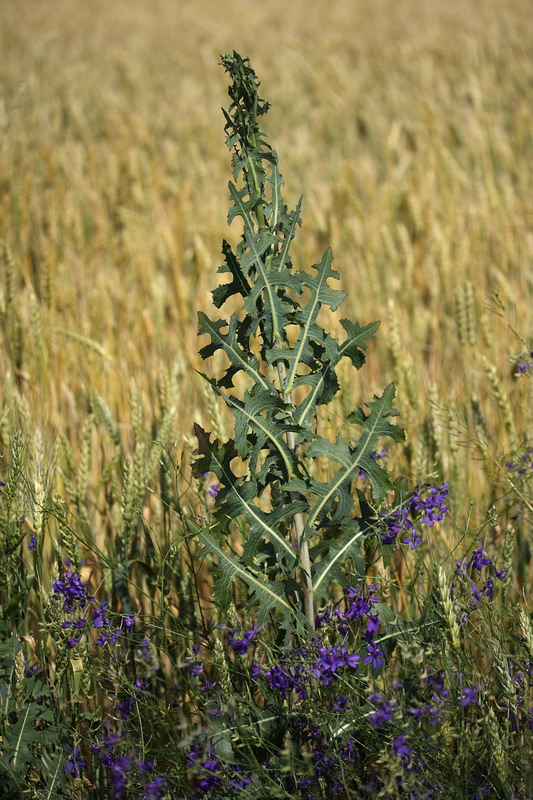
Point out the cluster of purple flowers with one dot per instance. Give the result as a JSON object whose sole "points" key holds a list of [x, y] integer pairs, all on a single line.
{"points": [[76, 599], [325, 663], [125, 769], [384, 711], [240, 646], [431, 509], [212, 773], [466, 571], [432, 709], [74, 763], [74, 592], [77, 604], [524, 363], [524, 463]]}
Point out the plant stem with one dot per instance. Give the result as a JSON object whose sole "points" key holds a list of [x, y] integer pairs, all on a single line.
{"points": [[299, 525]]}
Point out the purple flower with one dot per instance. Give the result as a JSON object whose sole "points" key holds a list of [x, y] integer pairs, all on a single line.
{"points": [[380, 717], [413, 540], [340, 703], [238, 782], [74, 763], [395, 522], [351, 660], [476, 595], [154, 789], [144, 649], [240, 646], [372, 626], [469, 696], [118, 767], [33, 542], [99, 618], [330, 659], [478, 560], [374, 655], [124, 709], [418, 713], [213, 488], [432, 507], [128, 622], [400, 748], [74, 591]]}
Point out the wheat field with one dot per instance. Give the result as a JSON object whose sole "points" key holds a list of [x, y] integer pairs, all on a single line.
{"points": [[406, 125]]}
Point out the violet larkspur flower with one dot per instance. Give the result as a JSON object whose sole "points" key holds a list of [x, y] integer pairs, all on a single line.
{"points": [[74, 591], [330, 660], [372, 626], [33, 542], [380, 717], [479, 560], [469, 696], [432, 507], [154, 789], [128, 622], [125, 708], [238, 781], [340, 703], [99, 618], [74, 763], [395, 522], [374, 655], [240, 646], [401, 748]]}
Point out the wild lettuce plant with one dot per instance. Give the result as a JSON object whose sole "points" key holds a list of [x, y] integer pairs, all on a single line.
{"points": [[299, 532]]}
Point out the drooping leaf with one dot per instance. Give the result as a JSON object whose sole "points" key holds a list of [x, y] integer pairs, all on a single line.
{"points": [[374, 425], [24, 732], [235, 498], [346, 547], [239, 283], [266, 596], [239, 358], [262, 414], [324, 382]]}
